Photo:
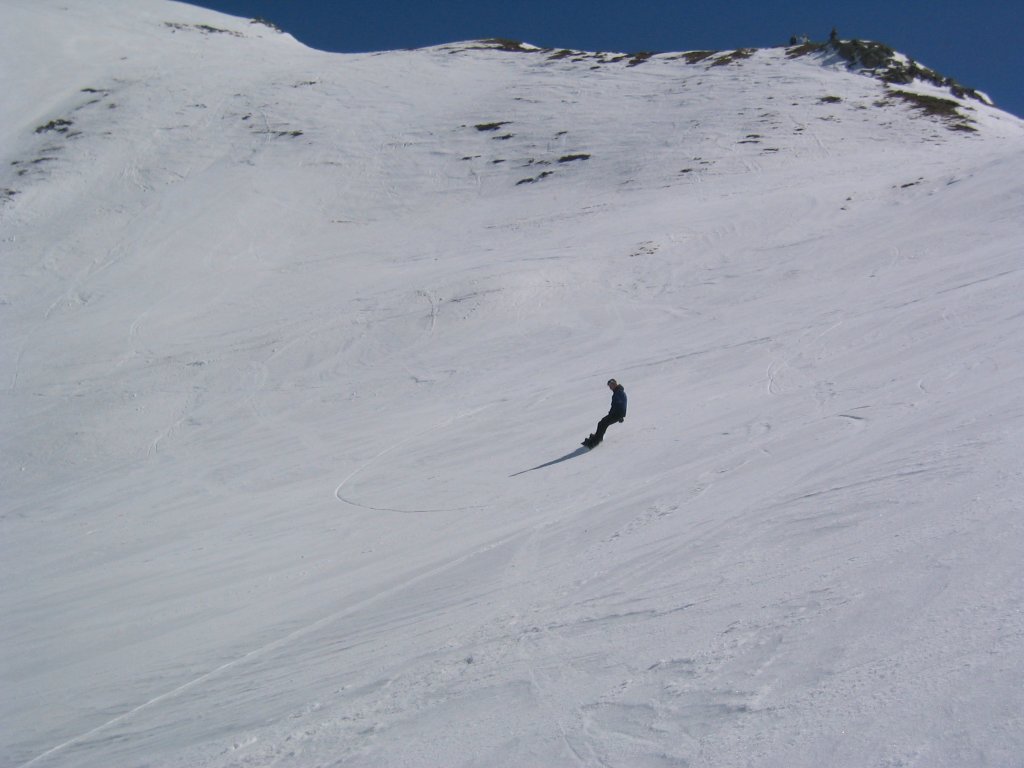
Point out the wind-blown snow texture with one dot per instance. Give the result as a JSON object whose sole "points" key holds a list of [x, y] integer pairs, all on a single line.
{"points": [[298, 349]]}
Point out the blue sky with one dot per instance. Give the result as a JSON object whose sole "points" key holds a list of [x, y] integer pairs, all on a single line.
{"points": [[976, 42]]}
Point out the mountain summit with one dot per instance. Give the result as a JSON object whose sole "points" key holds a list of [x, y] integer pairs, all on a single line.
{"points": [[299, 349]]}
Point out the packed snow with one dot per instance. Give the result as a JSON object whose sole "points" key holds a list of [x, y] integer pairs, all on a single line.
{"points": [[299, 349]]}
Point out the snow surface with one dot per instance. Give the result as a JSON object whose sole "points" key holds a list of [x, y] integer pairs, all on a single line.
{"points": [[298, 350]]}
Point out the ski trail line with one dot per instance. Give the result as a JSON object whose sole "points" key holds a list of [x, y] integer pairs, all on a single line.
{"points": [[274, 645], [446, 423]]}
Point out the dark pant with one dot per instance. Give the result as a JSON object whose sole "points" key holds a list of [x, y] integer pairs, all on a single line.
{"points": [[603, 424]]}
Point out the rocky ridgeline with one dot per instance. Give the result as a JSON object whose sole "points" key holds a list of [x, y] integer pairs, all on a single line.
{"points": [[875, 59]]}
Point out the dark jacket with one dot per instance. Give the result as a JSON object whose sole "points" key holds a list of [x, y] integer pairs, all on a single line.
{"points": [[618, 409]]}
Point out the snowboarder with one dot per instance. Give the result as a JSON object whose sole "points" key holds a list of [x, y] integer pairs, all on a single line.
{"points": [[617, 414]]}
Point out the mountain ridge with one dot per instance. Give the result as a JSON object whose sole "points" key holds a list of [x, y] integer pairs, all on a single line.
{"points": [[955, 113]]}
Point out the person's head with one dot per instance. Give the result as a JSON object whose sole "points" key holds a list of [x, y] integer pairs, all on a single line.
{"points": [[612, 383]]}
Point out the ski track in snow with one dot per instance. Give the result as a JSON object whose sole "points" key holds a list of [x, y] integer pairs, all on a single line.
{"points": [[362, 505], [251, 655]]}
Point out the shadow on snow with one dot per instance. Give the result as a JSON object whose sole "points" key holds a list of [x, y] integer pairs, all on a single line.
{"points": [[578, 452]]}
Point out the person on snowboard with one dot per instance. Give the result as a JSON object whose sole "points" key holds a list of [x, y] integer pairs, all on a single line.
{"points": [[617, 414]]}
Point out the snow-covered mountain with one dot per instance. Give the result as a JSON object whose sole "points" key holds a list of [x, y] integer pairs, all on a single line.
{"points": [[299, 347]]}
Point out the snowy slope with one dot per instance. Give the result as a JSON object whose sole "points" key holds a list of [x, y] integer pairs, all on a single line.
{"points": [[298, 349]]}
